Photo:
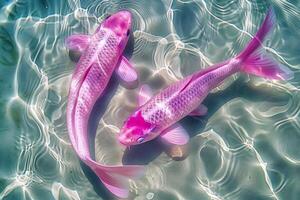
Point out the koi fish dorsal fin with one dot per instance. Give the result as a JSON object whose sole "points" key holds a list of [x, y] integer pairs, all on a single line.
{"points": [[177, 87], [78, 42], [145, 94], [126, 72]]}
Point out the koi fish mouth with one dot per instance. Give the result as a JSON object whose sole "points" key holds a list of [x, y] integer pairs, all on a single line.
{"points": [[119, 23]]}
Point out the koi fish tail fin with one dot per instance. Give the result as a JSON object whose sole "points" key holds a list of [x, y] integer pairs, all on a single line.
{"points": [[255, 61], [262, 65], [115, 178]]}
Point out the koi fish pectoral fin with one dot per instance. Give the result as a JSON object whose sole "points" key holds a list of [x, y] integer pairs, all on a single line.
{"points": [[200, 111], [126, 72], [145, 94], [77, 42], [175, 135]]}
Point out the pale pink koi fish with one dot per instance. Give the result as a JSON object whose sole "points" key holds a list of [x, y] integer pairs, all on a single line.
{"points": [[158, 115], [101, 55]]}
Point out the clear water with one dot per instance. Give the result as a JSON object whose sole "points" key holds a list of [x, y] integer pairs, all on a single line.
{"points": [[247, 147]]}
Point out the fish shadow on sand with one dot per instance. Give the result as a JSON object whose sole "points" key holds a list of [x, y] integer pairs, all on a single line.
{"points": [[144, 153], [96, 114]]}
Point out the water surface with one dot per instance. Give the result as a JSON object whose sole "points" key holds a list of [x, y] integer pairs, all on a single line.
{"points": [[247, 147]]}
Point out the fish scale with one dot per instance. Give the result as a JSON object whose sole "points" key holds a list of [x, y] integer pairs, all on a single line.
{"points": [[176, 102], [79, 73], [86, 58], [94, 83], [158, 115], [101, 54]]}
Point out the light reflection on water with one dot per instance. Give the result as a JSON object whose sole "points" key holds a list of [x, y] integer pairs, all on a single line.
{"points": [[245, 148]]}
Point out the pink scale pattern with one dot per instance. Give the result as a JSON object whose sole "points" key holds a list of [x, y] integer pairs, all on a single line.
{"points": [[181, 98], [97, 77]]}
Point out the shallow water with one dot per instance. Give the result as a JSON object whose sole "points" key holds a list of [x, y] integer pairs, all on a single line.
{"points": [[247, 147]]}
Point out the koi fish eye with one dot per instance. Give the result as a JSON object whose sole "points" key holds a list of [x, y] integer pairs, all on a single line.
{"points": [[140, 140], [107, 16], [128, 32]]}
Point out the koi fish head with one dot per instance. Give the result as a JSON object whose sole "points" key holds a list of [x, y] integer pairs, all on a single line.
{"points": [[120, 24], [136, 130]]}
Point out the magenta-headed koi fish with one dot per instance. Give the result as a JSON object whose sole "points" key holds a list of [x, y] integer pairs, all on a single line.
{"points": [[158, 115], [101, 55]]}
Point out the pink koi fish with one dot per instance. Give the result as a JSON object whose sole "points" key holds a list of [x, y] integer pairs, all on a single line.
{"points": [[158, 115], [101, 55]]}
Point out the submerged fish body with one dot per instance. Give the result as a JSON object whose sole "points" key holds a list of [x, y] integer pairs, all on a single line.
{"points": [[101, 56], [95, 68], [158, 115]]}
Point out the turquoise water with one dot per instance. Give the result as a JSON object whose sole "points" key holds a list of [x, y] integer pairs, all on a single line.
{"points": [[247, 147]]}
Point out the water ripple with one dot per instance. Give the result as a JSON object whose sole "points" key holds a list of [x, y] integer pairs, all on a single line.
{"points": [[246, 148]]}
